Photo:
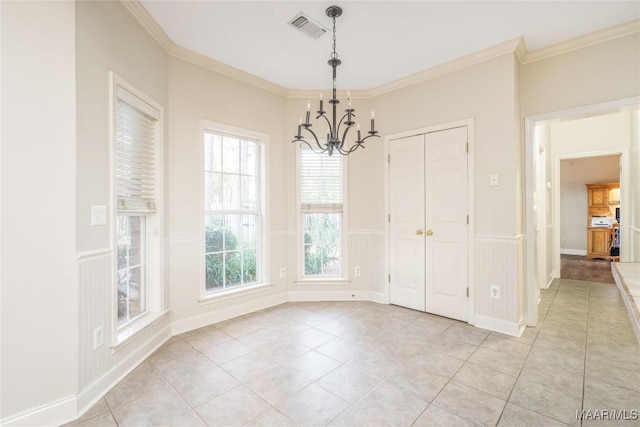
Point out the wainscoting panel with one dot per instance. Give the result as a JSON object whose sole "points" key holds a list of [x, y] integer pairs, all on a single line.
{"points": [[634, 244], [95, 277], [95, 302], [366, 251], [184, 276], [185, 279], [550, 252], [498, 262]]}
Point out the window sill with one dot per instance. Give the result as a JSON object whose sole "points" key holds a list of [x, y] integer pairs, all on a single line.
{"points": [[233, 293], [329, 281], [126, 334]]}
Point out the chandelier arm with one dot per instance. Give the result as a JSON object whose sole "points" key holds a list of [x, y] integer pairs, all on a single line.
{"points": [[311, 147], [344, 136], [327, 120], [367, 137], [353, 148], [320, 147], [340, 124]]}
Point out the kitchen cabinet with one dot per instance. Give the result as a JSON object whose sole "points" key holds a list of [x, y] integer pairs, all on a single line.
{"points": [[598, 242], [598, 197], [602, 200]]}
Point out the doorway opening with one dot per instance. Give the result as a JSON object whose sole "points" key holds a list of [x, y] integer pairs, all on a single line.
{"points": [[589, 217], [587, 132]]}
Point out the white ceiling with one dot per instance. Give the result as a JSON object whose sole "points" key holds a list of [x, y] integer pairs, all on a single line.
{"points": [[378, 41]]}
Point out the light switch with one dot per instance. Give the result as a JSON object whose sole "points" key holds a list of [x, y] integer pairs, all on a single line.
{"points": [[98, 215], [494, 180]]}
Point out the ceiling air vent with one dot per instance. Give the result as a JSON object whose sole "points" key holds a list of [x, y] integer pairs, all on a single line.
{"points": [[305, 24]]}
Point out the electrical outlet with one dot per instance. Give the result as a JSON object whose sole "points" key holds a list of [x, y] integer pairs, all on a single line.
{"points": [[283, 273], [495, 291], [357, 270], [98, 337]]}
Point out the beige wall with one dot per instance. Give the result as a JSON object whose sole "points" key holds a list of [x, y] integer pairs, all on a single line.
{"points": [[39, 306], [574, 174], [486, 93], [196, 93], [108, 39], [598, 73]]}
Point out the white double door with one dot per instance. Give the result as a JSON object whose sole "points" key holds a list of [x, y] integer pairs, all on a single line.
{"points": [[428, 230]]}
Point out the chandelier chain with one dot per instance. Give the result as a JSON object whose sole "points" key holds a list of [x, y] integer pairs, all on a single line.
{"points": [[334, 55]]}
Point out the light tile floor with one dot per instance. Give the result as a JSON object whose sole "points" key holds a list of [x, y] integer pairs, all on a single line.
{"points": [[367, 364]]}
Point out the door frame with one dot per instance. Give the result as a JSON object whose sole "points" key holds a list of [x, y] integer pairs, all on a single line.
{"points": [[469, 123], [531, 283]]}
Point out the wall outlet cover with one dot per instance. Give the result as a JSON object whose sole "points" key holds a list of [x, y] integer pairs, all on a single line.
{"points": [[98, 337], [495, 291]]}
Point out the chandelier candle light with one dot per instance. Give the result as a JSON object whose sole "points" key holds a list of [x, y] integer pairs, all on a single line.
{"points": [[334, 142]]}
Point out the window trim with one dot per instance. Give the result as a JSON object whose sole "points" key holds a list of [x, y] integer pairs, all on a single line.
{"points": [[343, 279], [154, 229], [262, 261]]}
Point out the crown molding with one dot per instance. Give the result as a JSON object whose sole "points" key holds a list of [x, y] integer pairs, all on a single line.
{"points": [[514, 46], [583, 41], [508, 47], [146, 20], [226, 70], [521, 50]]}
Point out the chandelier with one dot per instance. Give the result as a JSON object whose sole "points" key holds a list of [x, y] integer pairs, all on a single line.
{"points": [[334, 142]]}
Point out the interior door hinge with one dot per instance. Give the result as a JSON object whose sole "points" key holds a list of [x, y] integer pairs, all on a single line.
{"points": [[467, 219], [467, 292], [389, 218], [388, 158], [389, 278], [467, 147]]}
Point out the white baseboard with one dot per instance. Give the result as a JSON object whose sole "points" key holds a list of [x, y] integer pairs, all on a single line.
{"points": [[506, 327], [97, 389], [303, 296], [581, 252], [219, 315], [550, 280], [72, 407], [54, 413]]}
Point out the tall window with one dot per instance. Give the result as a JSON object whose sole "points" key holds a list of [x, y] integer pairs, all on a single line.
{"points": [[321, 205], [232, 211], [136, 127]]}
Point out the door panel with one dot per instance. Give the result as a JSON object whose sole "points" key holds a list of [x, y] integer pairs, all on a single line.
{"points": [[428, 225], [446, 216], [407, 251]]}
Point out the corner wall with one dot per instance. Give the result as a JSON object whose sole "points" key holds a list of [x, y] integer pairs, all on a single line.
{"points": [[108, 39], [39, 306], [196, 93]]}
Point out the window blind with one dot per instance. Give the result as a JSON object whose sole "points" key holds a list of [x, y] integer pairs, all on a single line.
{"points": [[135, 159], [320, 181]]}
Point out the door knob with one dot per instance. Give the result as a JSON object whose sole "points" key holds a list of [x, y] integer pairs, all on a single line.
{"points": [[419, 232], [429, 232]]}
